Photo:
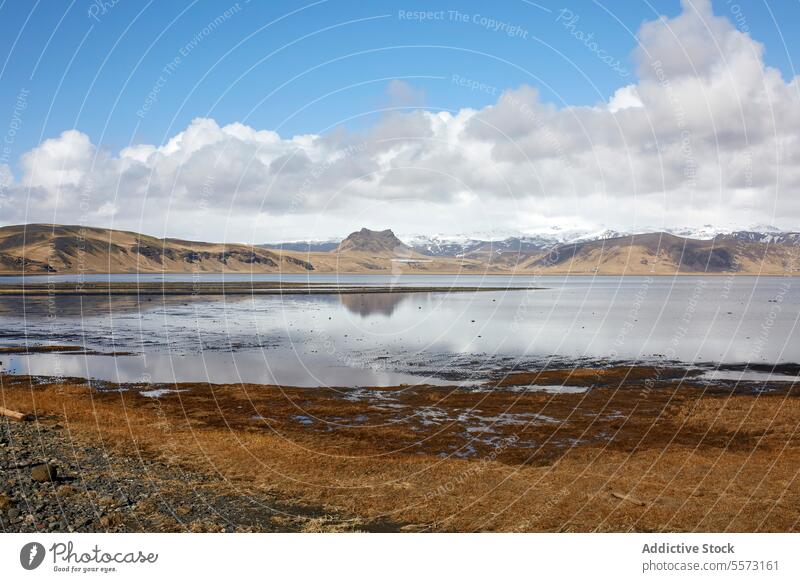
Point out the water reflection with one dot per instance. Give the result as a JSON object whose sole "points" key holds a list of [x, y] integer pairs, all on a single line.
{"points": [[365, 304], [77, 306], [249, 366], [365, 339]]}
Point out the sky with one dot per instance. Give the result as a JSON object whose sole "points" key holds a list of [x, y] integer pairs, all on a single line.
{"points": [[274, 121]]}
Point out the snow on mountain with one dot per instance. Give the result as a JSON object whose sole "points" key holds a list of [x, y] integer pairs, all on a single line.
{"points": [[772, 237], [488, 242]]}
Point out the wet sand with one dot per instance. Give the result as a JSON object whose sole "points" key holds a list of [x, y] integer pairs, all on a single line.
{"points": [[620, 449]]}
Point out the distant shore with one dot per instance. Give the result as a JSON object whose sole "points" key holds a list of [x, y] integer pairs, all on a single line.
{"points": [[405, 275], [226, 288]]}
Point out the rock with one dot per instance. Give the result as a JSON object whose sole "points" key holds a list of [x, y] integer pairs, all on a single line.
{"points": [[65, 490], [44, 473], [111, 521], [628, 498], [13, 513]]}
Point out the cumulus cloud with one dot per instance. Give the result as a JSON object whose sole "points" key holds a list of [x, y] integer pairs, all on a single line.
{"points": [[707, 134], [624, 98]]}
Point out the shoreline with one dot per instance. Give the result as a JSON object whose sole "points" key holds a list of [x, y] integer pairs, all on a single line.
{"points": [[221, 288], [388, 273], [782, 373]]}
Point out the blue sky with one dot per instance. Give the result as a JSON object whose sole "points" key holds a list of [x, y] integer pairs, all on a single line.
{"points": [[557, 115], [94, 73]]}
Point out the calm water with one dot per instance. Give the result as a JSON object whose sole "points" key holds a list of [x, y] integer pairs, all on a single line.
{"points": [[386, 339]]}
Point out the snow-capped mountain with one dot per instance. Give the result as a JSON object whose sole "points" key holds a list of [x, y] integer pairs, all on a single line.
{"points": [[442, 245], [461, 245], [776, 238], [464, 245], [503, 242]]}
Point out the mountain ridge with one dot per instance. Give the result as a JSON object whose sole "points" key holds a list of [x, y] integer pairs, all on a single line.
{"points": [[444, 245], [53, 248], [47, 248]]}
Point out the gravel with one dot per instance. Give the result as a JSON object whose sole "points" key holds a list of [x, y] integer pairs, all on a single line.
{"points": [[87, 488]]}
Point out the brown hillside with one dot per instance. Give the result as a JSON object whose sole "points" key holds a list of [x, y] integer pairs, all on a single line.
{"points": [[662, 253], [48, 248]]}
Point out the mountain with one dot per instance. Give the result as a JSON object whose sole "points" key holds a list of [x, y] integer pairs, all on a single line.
{"points": [[48, 248], [375, 243], [466, 246], [52, 248], [665, 253], [775, 238], [382, 252], [443, 246]]}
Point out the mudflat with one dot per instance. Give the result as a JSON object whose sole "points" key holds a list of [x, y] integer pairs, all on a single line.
{"points": [[620, 448]]}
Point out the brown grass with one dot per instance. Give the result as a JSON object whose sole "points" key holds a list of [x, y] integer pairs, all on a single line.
{"points": [[674, 458]]}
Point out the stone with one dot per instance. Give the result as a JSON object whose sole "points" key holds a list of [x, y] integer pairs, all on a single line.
{"points": [[44, 473], [65, 490], [111, 521]]}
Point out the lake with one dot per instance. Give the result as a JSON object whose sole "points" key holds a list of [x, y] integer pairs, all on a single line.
{"points": [[384, 339]]}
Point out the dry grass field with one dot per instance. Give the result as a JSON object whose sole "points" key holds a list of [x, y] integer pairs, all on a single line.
{"points": [[629, 454]]}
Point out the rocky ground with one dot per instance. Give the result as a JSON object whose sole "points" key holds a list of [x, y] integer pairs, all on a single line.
{"points": [[50, 482]]}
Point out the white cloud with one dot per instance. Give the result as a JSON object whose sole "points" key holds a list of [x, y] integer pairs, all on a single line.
{"points": [[59, 162], [6, 178], [624, 98], [708, 134]]}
